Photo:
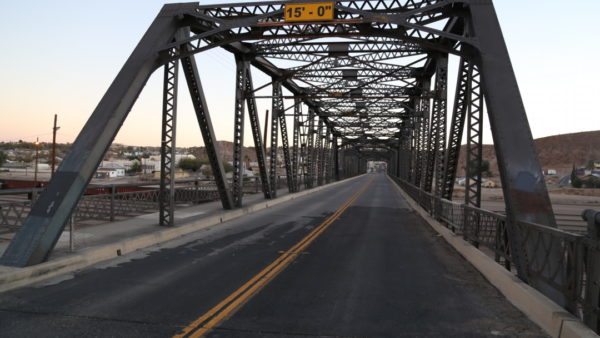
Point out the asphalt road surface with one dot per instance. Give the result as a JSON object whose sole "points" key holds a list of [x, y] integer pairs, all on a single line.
{"points": [[352, 260]]}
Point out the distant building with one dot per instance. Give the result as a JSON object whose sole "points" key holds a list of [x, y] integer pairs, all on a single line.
{"points": [[110, 170]]}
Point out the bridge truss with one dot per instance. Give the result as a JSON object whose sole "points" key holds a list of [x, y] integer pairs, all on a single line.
{"points": [[370, 84]]}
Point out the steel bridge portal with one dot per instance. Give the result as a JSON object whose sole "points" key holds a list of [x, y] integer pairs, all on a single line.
{"points": [[368, 81]]}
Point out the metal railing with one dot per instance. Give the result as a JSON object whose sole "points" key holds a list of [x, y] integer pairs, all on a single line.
{"points": [[558, 262], [108, 203]]}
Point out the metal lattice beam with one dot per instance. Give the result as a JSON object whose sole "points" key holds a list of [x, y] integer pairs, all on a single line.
{"points": [[238, 131], [168, 145], [277, 111], [462, 100], [255, 126]]}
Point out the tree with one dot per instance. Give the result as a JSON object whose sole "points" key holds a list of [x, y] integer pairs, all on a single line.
{"points": [[472, 170], [207, 170], [592, 182], [136, 167], [590, 165], [575, 180], [3, 158], [192, 164]]}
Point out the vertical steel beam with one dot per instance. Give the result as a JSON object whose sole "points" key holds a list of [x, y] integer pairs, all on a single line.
{"points": [[319, 152], [525, 193], [286, 148], [331, 159], [441, 108], [327, 155], [411, 147], [422, 154], [311, 149], [304, 158], [336, 159], [277, 110], [417, 145], [474, 154], [461, 102], [238, 131], [41, 229], [295, 143], [190, 69], [255, 126], [168, 145], [437, 133]]}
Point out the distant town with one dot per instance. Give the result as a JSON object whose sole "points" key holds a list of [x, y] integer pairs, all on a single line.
{"points": [[28, 161], [568, 161]]}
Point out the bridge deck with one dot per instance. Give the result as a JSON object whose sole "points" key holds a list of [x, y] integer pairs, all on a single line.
{"points": [[378, 270]]}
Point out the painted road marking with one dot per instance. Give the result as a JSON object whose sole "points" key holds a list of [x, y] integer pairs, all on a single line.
{"points": [[228, 306]]}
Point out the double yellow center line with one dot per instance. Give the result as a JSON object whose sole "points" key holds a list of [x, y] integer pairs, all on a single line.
{"points": [[237, 299]]}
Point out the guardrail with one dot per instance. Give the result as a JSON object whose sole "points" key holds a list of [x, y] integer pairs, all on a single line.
{"points": [[565, 263]]}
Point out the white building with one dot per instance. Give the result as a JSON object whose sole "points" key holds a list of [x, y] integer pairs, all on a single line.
{"points": [[110, 169]]}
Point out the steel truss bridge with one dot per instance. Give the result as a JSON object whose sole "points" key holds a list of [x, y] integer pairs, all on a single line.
{"points": [[369, 84]]}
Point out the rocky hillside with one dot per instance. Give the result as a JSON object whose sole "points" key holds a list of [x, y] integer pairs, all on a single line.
{"points": [[555, 152]]}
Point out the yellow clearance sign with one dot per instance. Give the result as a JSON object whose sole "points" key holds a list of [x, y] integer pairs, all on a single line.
{"points": [[313, 11]]}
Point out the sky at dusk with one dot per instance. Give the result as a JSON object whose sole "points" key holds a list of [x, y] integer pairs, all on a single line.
{"points": [[61, 56]]}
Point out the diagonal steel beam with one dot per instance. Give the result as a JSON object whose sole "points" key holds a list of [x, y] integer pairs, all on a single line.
{"points": [[462, 99], [255, 126], [190, 69], [525, 193]]}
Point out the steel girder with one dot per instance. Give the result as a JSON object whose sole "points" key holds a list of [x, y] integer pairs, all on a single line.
{"points": [[168, 145], [256, 136], [462, 99], [319, 153], [277, 110], [311, 155], [286, 150], [424, 133], [296, 155], [238, 130], [438, 122], [192, 76], [474, 151]]}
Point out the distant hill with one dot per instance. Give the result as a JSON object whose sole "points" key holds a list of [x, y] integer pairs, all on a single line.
{"points": [[555, 152], [562, 151]]}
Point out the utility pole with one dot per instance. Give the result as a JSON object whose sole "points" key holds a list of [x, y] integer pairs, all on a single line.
{"points": [[35, 172], [54, 129]]}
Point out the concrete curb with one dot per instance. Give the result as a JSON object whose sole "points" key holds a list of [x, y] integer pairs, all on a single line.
{"points": [[13, 278], [552, 318]]}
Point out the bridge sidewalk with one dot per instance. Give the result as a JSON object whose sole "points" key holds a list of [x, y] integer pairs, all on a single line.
{"points": [[100, 242]]}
